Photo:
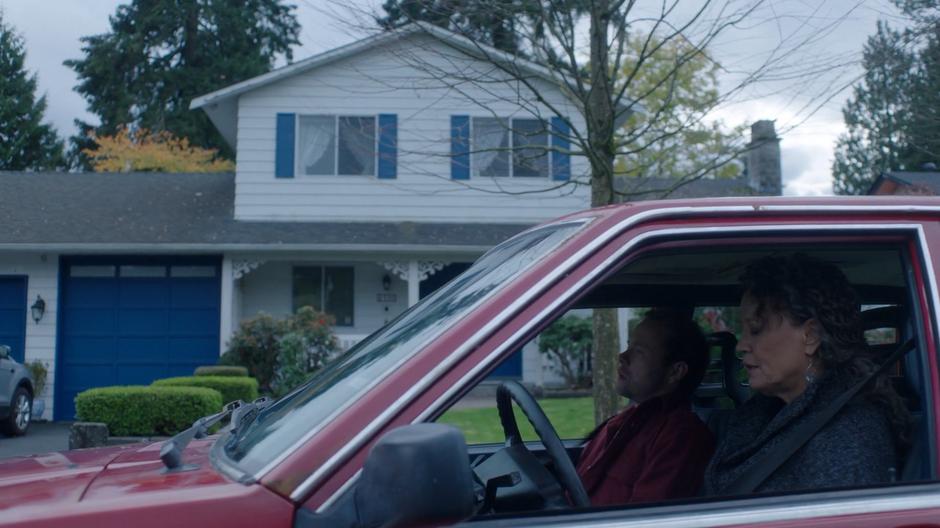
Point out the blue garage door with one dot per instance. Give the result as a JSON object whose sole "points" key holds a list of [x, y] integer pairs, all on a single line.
{"points": [[132, 321], [13, 315]]}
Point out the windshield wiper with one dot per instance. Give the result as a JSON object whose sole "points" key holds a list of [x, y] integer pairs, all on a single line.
{"points": [[171, 453], [245, 415]]}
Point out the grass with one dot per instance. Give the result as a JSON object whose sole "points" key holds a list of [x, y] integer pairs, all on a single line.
{"points": [[572, 418]]}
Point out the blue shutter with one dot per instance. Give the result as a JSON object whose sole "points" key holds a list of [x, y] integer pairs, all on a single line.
{"points": [[561, 161], [284, 146], [388, 146], [460, 147]]}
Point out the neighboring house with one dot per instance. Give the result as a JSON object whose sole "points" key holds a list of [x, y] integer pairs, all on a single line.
{"points": [[903, 182], [365, 179], [762, 174]]}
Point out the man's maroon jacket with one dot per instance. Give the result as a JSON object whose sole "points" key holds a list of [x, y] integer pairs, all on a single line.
{"points": [[652, 451]]}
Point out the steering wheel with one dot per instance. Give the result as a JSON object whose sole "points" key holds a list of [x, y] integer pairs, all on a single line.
{"points": [[513, 391]]}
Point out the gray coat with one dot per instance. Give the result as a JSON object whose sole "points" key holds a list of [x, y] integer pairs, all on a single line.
{"points": [[855, 448]]}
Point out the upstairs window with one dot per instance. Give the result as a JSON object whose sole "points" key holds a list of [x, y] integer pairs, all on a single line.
{"points": [[505, 147], [336, 145]]}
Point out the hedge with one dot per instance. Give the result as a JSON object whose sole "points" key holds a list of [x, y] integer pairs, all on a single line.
{"points": [[222, 370], [146, 411], [245, 389]]}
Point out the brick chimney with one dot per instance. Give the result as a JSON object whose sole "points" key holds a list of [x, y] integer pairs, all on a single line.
{"points": [[763, 159]]}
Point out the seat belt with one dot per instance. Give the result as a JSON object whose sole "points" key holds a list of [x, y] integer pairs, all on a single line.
{"points": [[762, 468]]}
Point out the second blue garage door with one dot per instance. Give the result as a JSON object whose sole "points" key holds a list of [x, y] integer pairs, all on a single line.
{"points": [[132, 321], [13, 315]]}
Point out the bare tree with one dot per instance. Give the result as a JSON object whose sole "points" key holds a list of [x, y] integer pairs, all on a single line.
{"points": [[558, 45]]}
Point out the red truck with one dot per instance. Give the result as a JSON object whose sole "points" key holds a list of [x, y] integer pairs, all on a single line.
{"points": [[357, 445]]}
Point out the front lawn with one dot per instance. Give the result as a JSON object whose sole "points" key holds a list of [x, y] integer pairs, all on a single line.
{"points": [[572, 418]]}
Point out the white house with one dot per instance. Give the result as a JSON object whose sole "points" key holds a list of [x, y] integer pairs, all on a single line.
{"points": [[366, 176]]}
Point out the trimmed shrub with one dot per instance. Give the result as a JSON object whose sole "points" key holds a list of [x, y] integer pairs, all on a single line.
{"points": [[259, 345], [254, 346], [231, 388], [308, 345], [146, 411], [221, 370]]}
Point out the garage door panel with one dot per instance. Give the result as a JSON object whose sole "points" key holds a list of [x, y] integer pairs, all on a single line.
{"points": [[11, 292], [81, 376], [132, 350], [182, 369], [141, 374], [201, 349], [139, 272], [191, 322], [69, 394], [90, 349], [140, 323], [90, 321], [194, 293], [143, 322], [144, 293], [11, 321], [13, 315], [87, 293]]}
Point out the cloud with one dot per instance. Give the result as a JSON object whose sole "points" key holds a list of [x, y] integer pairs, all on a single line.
{"points": [[806, 142], [51, 34], [806, 170]]}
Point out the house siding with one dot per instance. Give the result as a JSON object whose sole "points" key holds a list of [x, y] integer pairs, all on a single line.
{"points": [[42, 272], [268, 289], [383, 81]]}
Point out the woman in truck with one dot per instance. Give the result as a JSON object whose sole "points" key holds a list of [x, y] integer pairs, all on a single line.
{"points": [[802, 345]]}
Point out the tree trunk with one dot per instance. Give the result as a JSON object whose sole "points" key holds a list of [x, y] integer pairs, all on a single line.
{"points": [[601, 154], [604, 373]]}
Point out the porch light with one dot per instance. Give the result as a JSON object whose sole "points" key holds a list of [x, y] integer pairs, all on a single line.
{"points": [[38, 309], [386, 282]]}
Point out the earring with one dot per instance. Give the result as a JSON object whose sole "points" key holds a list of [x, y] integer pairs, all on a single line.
{"points": [[810, 376]]}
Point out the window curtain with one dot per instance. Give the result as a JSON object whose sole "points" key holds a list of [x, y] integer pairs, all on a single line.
{"points": [[530, 148], [357, 145], [316, 144], [490, 141]]}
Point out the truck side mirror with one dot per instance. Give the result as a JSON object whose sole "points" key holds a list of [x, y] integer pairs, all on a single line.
{"points": [[5, 351], [414, 475]]}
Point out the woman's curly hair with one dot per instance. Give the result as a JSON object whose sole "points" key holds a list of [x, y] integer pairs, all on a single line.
{"points": [[800, 288]]}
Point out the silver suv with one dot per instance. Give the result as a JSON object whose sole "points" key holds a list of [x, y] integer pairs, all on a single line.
{"points": [[16, 395]]}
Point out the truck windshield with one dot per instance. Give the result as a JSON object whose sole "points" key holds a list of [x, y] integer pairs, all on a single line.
{"points": [[281, 426]]}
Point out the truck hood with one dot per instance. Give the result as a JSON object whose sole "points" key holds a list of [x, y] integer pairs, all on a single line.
{"points": [[52, 480]]}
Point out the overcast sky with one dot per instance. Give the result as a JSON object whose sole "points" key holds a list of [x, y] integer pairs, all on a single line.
{"points": [[52, 28]]}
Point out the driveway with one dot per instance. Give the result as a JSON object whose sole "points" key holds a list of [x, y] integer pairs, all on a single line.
{"points": [[42, 437]]}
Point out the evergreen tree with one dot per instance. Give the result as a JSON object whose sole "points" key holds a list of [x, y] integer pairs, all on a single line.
{"points": [[160, 54], [924, 116], [877, 116], [481, 21], [25, 142], [893, 117], [496, 23]]}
